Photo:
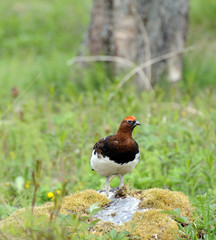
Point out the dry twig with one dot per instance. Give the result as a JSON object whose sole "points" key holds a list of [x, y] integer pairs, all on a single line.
{"points": [[106, 58]]}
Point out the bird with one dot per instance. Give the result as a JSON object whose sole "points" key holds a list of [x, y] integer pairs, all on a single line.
{"points": [[116, 155]]}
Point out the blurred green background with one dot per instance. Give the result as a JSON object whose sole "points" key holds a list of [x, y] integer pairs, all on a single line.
{"points": [[55, 115]]}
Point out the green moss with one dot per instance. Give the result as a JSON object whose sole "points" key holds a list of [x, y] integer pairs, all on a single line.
{"points": [[165, 199], [103, 227], [81, 201], [18, 217], [152, 225]]}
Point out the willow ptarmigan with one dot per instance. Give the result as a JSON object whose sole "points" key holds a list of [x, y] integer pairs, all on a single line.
{"points": [[116, 154]]}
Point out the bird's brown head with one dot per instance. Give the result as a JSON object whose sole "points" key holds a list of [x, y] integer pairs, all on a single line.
{"points": [[128, 124]]}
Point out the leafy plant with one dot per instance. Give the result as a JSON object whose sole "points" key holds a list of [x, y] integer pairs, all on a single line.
{"points": [[176, 215]]}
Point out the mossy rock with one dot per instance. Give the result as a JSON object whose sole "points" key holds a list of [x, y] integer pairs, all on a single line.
{"points": [[151, 224]]}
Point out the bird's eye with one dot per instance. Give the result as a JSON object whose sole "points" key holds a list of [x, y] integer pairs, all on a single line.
{"points": [[129, 121]]}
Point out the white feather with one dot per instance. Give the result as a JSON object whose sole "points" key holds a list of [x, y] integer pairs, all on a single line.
{"points": [[106, 167]]}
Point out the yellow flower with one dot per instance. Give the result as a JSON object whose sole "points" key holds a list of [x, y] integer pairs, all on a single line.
{"points": [[50, 194], [58, 192], [27, 185], [7, 184], [12, 155], [184, 114]]}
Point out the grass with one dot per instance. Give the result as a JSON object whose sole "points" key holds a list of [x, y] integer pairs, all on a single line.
{"points": [[201, 34], [59, 114]]}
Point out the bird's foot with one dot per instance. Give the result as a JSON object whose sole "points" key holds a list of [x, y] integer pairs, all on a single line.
{"points": [[110, 190]]}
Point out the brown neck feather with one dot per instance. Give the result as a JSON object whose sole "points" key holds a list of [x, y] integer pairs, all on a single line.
{"points": [[124, 131]]}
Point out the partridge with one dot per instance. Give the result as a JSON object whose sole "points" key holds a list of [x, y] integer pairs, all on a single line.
{"points": [[116, 154]]}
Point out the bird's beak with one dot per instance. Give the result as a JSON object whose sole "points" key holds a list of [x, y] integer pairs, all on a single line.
{"points": [[137, 123]]}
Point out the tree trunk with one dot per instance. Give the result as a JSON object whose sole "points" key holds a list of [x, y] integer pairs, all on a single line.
{"points": [[140, 31]]}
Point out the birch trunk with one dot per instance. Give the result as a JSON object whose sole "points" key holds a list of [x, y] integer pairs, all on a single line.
{"points": [[140, 30]]}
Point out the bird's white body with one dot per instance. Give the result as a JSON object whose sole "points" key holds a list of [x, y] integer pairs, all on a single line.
{"points": [[106, 167]]}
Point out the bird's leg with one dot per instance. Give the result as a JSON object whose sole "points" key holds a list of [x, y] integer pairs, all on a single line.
{"points": [[121, 183], [107, 186], [104, 188]]}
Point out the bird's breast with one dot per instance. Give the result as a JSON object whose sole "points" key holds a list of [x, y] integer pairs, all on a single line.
{"points": [[107, 167]]}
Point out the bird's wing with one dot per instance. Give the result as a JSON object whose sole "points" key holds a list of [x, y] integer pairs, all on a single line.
{"points": [[101, 146], [115, 151]]}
